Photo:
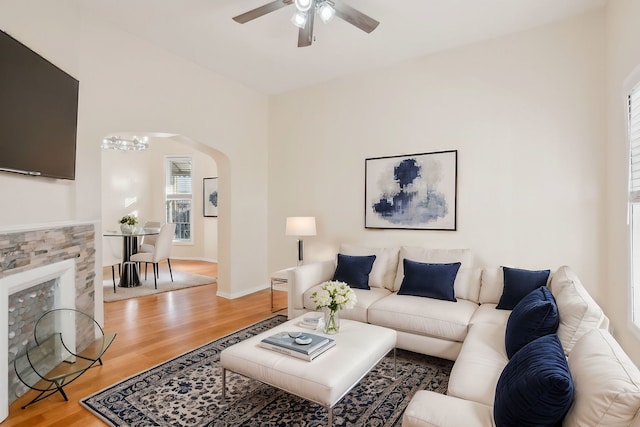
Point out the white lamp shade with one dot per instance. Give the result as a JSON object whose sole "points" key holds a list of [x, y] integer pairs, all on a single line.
{"points": [[301, 226]]}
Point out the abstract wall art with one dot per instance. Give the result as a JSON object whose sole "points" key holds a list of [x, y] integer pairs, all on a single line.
{"points": [[210, 196], [414, 192]]}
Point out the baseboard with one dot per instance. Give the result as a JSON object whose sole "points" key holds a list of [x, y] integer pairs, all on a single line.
{"points": [[243, 293], [195, 259]]}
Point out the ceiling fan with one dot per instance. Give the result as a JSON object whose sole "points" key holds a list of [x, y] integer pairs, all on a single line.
{"points": [[305, 15]]}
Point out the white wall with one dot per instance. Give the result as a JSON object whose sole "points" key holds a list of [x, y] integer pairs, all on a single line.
{"points": [[623, 56], [133, 183], [128, 84], [525, 113]]}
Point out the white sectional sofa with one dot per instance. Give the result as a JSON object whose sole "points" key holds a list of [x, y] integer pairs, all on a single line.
{"points": [[471, 332]]}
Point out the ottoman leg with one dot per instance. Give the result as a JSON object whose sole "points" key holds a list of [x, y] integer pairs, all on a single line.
{"points": [[395, 365], [330, 416], [224, 383]]}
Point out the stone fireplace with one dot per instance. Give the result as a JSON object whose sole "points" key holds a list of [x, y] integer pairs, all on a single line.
{"points": [[41, 268]]}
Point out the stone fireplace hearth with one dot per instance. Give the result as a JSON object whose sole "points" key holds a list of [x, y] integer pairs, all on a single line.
{"points": [[30, 257]]}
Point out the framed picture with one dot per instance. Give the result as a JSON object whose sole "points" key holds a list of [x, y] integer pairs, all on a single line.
{"points": [[210, 196], [413, 192]]}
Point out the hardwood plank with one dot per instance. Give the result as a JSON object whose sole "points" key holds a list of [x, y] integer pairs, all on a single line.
{"points": [[151, 330]]}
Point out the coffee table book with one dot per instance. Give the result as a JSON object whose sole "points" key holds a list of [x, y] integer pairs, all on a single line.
{"points": [[283, 343]]}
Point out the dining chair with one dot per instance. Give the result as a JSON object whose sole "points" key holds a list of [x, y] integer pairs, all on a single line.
{"points": [[110, 259], [161, 251], [148, 242]]}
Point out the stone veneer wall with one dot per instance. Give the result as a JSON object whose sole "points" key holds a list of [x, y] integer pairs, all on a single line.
{"points": [[24, 250]]}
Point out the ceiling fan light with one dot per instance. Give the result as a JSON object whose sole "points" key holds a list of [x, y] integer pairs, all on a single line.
{"points": [[303, 5], [326, 12], [299, 19]]}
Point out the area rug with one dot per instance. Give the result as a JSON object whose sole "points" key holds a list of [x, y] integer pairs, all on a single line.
{"points": [[186, 391], [181, 280]]}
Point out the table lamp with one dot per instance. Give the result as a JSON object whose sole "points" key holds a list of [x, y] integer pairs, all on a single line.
{"points": [[301, 226]]}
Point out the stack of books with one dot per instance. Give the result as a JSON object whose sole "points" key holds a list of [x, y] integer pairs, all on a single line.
{"points": [[286, 344], [311, 321]]}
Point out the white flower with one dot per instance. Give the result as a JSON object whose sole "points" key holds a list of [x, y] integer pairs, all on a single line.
{"points": [[334, 295]]}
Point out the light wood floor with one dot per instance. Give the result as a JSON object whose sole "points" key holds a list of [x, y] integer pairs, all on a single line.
{"points": [[150, 330]]}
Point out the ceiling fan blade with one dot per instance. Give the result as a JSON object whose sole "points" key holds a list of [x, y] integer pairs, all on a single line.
{"points": [[355, 17], [262, 10], [305, 35]]}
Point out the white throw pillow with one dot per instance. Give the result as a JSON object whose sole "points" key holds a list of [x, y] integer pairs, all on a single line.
{"points": [[384, 267], [579, 313], [607, 383], [467, 284], [492, 284]]}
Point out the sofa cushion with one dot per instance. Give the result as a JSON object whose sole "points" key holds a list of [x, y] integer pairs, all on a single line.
{"points": [[354, 270], [607, 383], [383, 272], [364, 299], [518, 283], [433, 256], [431, 409], [487, 313], [479, 364], [429, 280], [579, 313], [536, 315], [535, 388], [423, 316]]}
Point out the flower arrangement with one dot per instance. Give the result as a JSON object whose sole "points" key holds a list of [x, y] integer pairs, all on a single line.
{"points": [[334, 295], [331, 297], [129, 220]]}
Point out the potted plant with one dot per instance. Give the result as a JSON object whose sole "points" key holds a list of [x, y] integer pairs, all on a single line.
{"points": [[127, 223]]}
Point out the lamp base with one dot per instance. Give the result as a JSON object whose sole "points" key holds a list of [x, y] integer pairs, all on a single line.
{"points": [[300, 252]]}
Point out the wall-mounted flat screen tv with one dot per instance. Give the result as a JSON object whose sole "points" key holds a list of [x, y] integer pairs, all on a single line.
{"points": [[38, 113]]}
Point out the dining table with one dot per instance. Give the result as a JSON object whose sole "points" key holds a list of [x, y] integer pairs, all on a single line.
{"points": [[129, 275]]}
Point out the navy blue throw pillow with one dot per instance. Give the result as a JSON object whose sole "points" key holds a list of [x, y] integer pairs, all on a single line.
{"points": [[535, 316], [518, 283], [535, 388], [354, 270], [429, 280]]}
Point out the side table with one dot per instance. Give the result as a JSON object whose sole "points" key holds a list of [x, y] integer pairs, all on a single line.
{"points": [[279, 282]]}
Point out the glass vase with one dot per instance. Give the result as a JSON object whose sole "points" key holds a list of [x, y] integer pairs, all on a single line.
{"points": [[331, 321]]}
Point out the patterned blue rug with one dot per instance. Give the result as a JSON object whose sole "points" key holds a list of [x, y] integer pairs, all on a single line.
{"points": [[186, 391]]}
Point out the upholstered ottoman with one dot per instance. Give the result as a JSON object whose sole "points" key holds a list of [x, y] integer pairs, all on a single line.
{"points": [[326, 379]]}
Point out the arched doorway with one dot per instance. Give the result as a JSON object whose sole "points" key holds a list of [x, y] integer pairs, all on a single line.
{"points": [[133, 182]]}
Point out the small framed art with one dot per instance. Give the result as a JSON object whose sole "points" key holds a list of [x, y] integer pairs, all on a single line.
{"points": [[414, 192], [210, 196]]}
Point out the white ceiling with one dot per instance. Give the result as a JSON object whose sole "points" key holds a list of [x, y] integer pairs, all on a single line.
{"points": [[263, 53]]}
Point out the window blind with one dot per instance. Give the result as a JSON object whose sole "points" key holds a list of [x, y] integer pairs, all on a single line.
{"points": [[634, 145], [179, 180]]}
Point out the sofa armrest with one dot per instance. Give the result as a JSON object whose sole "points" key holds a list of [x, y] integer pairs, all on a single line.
{"points": [[304, 277], [430, 409]]}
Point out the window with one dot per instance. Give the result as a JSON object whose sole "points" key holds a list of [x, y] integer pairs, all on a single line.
{"points": [[178, 196], [634, 200]]}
